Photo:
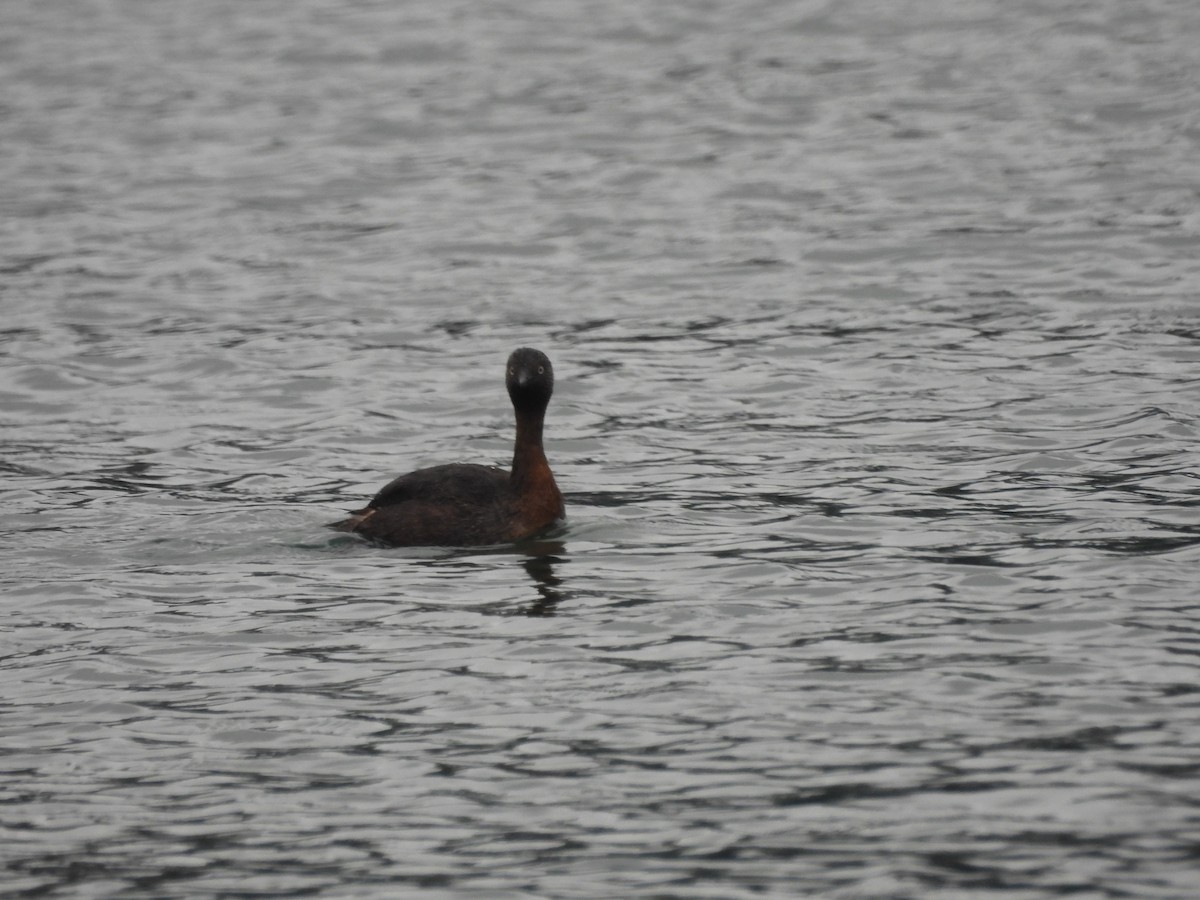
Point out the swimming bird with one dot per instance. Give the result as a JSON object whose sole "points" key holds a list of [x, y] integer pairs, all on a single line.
{"points": [[464, 504]]}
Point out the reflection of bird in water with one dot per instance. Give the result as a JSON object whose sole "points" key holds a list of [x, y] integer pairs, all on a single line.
{"points": [[539, 563]]}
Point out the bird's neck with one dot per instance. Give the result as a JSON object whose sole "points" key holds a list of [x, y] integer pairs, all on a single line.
{"points": [[530, 470]]}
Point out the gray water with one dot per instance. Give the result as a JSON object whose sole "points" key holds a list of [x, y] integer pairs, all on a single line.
{"points": [[877, 332]]}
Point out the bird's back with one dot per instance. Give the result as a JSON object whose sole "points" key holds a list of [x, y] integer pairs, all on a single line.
{"points": [[452, 505]]}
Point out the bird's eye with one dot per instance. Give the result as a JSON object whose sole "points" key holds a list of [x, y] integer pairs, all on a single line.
{"points": [[541, 370], [512, 371]]}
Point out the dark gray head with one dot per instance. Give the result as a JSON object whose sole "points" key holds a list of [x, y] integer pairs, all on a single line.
{"points": [[530, 379]]}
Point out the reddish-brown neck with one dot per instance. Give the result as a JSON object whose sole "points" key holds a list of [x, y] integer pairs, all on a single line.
{"points": [[531, 476], [529, 467]]}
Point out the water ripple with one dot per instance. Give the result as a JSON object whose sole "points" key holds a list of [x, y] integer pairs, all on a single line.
{"points": [[877, 348]]}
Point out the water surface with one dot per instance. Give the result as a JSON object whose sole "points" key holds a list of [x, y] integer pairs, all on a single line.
{"points": [[877, 342]]}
